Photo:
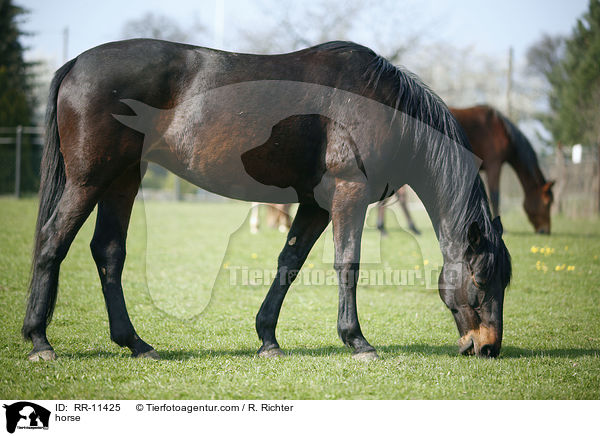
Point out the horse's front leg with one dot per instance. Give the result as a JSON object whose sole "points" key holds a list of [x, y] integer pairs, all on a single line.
{"points": [[348, 212], [309, 223]]}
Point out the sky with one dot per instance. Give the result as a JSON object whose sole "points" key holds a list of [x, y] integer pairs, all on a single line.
{"points": [[489, 27]]}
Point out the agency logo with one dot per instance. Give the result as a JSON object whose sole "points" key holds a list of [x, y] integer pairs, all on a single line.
{"points": [[26, 415]]}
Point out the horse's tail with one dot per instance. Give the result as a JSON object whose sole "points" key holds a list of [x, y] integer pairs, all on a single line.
{"points": [[521, 144], [52, 184]]}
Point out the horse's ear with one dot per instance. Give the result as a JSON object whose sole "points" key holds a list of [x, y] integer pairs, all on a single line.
{"points": [[498, 225], [474, 236]]}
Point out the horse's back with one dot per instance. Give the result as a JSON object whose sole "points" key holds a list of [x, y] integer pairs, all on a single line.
{"points": [[485, 131]]}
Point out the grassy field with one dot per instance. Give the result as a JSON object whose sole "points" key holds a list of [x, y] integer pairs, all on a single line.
{"points": [[207, 340]]}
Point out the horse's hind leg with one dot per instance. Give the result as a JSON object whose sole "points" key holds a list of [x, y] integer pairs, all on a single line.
{"points": [[108, 250], [54, 240], [309, 223], [348, 211]]}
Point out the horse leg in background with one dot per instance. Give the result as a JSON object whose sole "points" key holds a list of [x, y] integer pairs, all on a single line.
{"points": [[381, 217], [348, 210], [54, 239], [493, 179], [283, 217], [309, 223], [254, 218], [108, 250], [401, 195]]}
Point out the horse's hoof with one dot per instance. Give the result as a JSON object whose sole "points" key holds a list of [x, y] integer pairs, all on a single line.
{"points": [[271, 353], [45, 355], [151, 354], [366, 356]]}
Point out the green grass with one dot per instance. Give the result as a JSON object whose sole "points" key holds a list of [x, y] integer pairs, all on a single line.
{"points": [[207, 339]]}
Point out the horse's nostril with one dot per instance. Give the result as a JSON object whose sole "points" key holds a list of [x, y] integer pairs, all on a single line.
{"points": [[488, 351], [543, 231]]}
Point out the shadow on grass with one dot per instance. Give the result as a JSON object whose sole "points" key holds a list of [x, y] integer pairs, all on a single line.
{"points": [[388, 351], [508, 352]]}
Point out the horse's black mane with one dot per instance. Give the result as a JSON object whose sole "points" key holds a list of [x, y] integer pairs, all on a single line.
{"points": [[410, 96], [522, 147]]}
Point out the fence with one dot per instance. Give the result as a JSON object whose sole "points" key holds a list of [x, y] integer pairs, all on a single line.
{"points": [[20, 156]]}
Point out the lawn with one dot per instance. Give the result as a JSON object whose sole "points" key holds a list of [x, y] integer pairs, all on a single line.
{"points": [[193, 292]]}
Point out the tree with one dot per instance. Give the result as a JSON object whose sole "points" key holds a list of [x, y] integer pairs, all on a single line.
{"points": [[155, 26], [575, 83], [302, 24], [16, 101], [575, 96]]}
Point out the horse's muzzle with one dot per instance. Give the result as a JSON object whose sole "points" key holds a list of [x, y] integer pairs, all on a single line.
{"points": [[483, 342]]}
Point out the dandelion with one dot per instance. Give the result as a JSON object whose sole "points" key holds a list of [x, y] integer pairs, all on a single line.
{"points": [[560, 267], [425, 262], [226, 265], [311, 265], [566, 248], [254, 256], [534, 249], [571, 268], [417, 267]]}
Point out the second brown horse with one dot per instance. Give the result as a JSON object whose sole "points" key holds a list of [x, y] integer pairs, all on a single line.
{"points": [[495, 140]]}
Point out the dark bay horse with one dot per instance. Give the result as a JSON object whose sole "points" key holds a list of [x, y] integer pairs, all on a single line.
{"points": [[495, 140], [334, 127]]}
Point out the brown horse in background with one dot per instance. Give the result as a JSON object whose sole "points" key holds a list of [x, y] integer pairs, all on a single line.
{"points": [[495, 140]]}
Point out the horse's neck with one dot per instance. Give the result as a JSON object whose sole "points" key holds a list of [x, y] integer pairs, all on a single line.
{"points": [[450, 194], [528, 172]]}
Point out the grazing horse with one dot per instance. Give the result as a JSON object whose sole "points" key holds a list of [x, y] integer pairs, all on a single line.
{"points": [[334, 127], [495, 140]]}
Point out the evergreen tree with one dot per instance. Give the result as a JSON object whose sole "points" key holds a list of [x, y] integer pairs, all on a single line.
{"points": [[16, 102], [575, 97]]}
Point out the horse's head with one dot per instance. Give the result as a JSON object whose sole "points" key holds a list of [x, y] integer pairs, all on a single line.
{"points": [[537, 205], [473, 289]]}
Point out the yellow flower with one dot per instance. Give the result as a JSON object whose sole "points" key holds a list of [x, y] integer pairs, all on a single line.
{"points": [[425, 262], [417, 267], [225, 265], [560, 267], [311, 265], [254, 255], [566, 248], [571, 268], [534, 249]]}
